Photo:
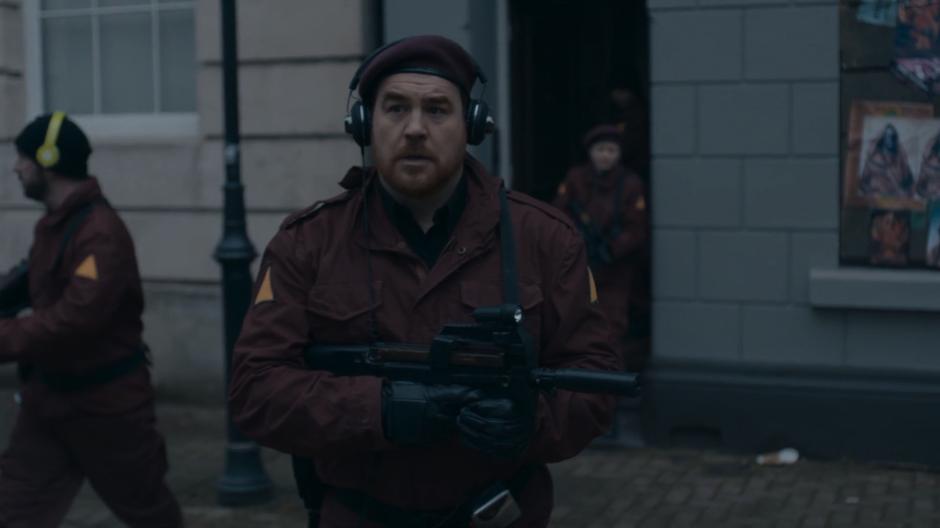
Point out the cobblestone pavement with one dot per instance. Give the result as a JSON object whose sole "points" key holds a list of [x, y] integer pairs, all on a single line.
{"points": [[601, 488]]}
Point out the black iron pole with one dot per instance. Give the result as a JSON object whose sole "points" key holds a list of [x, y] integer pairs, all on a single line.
{"points": [[244, 480]]}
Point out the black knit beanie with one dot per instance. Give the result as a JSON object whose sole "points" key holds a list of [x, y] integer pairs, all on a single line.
{"points": [[72, 143]]}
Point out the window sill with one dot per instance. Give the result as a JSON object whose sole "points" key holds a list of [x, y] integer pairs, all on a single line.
{"points": [[126, 129], [874, 289]]}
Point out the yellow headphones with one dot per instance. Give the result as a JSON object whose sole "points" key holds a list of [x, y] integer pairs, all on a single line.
{"points": [[48, 153]]}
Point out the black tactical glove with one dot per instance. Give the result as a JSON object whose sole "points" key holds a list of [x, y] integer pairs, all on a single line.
{"points": [[418, 414], [496, 426]]}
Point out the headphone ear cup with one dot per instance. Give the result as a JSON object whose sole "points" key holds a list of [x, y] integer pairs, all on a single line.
{"points": [[47, 156], [477, 114], [359, 124]]}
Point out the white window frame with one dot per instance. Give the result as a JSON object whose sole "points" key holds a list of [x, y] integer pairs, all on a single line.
{"points": [[110, 128]]}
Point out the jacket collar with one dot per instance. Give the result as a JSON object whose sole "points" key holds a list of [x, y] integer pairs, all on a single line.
{"points": [[86, 192], [475, 226]]}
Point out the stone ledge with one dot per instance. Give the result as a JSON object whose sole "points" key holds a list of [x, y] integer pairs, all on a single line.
{"points": [[874, 289]]}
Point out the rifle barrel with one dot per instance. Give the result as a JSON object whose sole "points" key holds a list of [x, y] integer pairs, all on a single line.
{"points": [[589, 381]]}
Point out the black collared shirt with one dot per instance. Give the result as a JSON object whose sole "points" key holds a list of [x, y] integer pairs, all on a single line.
{"points": [[428, 245]]}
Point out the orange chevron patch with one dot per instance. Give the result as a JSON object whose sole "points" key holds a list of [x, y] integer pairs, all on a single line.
{"points": [[265, 292], [593, 287], [88, 269]]}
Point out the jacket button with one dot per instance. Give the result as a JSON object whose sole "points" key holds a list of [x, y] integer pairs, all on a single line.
{"points": [[461, 250]]}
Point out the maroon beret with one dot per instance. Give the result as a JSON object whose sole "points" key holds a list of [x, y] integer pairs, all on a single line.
{"points": [[428, 54], [602, 133]]}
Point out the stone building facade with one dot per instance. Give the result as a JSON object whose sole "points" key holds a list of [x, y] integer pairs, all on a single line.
{"points": [[750, 302]]}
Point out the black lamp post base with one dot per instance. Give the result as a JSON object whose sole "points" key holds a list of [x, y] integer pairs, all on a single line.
{"points": [[244, 482]]}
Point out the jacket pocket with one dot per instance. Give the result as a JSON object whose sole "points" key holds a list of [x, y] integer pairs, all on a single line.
{"points": [[339, 312]]}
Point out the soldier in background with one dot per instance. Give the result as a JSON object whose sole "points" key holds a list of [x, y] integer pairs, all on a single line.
{"points": [[87, 404], [607, 202]]}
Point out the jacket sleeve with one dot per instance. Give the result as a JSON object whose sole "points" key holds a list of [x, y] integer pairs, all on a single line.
{"points": [[273, 398], [97, 265], [634, 218], [566, 421]]}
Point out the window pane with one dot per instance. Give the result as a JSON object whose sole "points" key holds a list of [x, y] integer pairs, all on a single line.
{"points": [[112, 3], [67, 67], [177, 61], [65, 4], [126, 63]]}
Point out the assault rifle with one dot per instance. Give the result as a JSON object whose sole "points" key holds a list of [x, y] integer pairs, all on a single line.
{"points": [[491, 353]]}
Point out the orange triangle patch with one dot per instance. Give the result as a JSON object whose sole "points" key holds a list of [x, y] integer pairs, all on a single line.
{"points": [[265, 292], [593, 287], [88, 269]]}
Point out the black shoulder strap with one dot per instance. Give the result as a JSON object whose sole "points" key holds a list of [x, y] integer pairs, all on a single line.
{"points": [[507, 243], [75, 221]]}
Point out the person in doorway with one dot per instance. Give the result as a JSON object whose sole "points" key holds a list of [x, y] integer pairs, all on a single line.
{"points": [[607, 202], [86, 403], [413, 244]]}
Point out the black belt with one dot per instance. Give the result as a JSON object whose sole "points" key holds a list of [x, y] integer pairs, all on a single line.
{"points": [[394, 517], [100, 376]]}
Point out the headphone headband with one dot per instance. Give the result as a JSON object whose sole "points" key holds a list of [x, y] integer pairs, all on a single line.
{"points": [[48, 153]]}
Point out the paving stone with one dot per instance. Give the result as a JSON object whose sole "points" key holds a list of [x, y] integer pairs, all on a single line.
{"points": [[619, 488]]}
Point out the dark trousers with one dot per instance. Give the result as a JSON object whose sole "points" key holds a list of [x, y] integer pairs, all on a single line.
{"points": [[122, 456]]}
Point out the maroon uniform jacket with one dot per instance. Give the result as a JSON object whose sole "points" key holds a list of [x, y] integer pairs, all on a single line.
{"points": [[86, 310], [597, 195], [313, 287]]}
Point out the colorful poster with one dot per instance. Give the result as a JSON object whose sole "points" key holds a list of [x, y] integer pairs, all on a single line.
{"points": [[917, 43], [878, 12], [933, 237], [890, 237], [900, 158], [890, 161]]}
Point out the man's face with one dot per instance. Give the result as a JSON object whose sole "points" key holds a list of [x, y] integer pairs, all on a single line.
{"points": [[31, 178], [604, 155], [418, 134]]}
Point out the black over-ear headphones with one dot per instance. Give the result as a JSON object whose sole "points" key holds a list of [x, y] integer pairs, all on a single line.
{"points": [[358, 120]]}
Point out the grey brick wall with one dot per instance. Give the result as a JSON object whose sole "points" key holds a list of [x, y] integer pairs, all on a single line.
{"points": [[745, 188]]}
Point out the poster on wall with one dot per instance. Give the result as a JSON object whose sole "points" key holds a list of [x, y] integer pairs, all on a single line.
{"points": [[933, 238], [891, 176], [890, 237], [917, 43], [884, 161]]}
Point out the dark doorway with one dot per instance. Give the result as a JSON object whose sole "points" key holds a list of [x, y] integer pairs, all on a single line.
{"points": [[568, 56], [575, 64]]}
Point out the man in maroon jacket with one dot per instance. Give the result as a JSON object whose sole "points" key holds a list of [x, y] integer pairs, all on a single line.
{"points": [[414, 244], [86, 402], [607, 202]]}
